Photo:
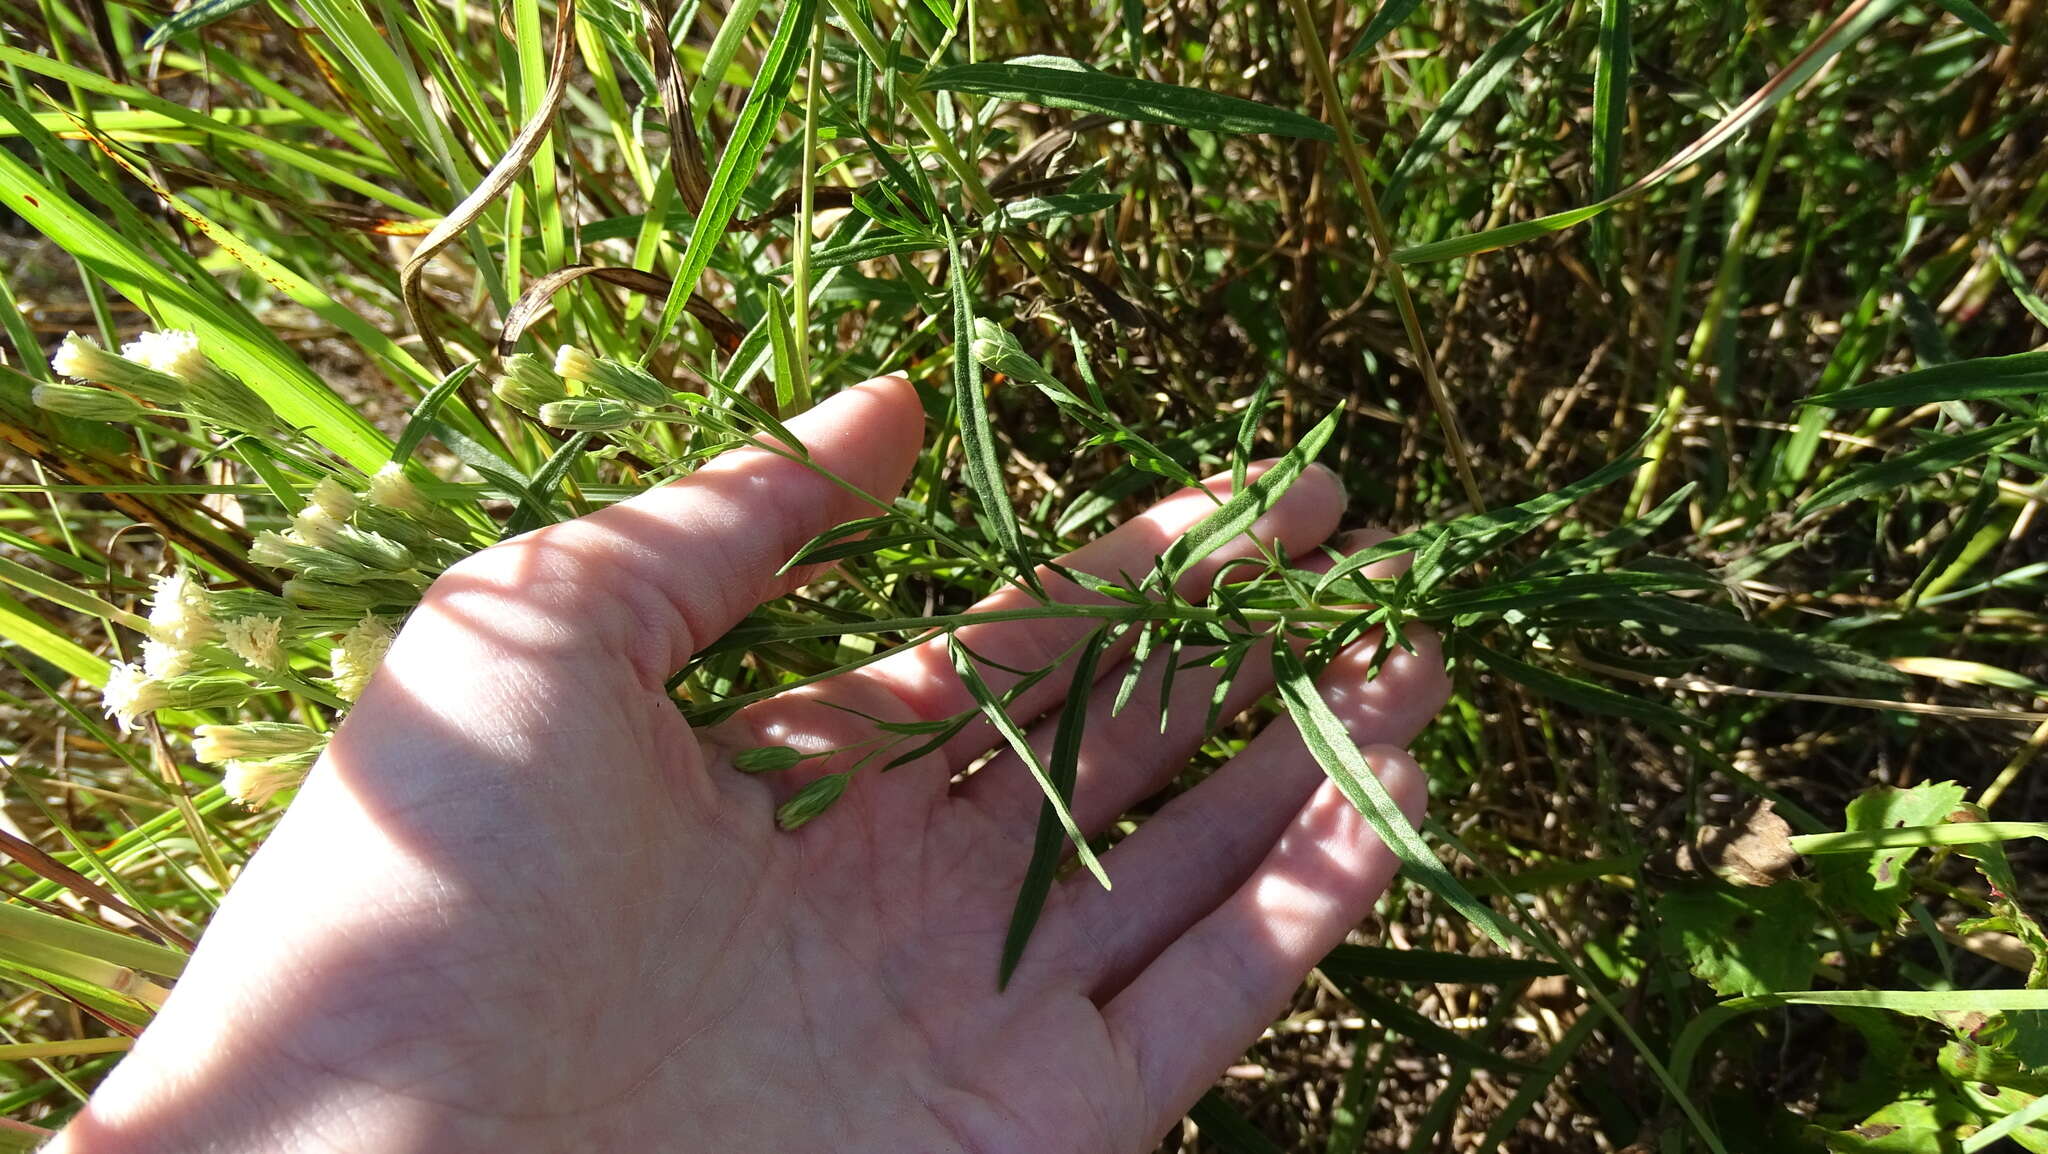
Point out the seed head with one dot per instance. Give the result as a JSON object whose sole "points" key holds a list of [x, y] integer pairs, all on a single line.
{"points": [[767, 759]]}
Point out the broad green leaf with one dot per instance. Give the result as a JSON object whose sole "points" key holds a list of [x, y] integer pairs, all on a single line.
{"points": [[1464, 97], [1934, 457], [993, 709], [1332, 746], [1875, 883], [2019, 375], [1058, 82], [1587, 695], [1742, 939], [1244, 507], [1062, 769]]}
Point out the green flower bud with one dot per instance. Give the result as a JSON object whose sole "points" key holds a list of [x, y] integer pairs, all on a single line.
{"points": [[812, 800], [526, 383], [317, 594], [998, 351], [80, 359], [338, 499], [130, 692], [87, 401], [255, 740], [610, 377], [317, 527], [767, 759], [588, 414]]}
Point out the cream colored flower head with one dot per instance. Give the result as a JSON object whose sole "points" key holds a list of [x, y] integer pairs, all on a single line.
{"points": [[361, 650], [171, 351]]}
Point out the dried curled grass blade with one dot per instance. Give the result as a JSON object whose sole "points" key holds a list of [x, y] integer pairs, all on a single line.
{"points": [[534, 301], [685, 152], [495, 182]]}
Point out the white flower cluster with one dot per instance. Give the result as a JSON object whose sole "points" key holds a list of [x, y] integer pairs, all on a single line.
{"points": [[166, 369]]}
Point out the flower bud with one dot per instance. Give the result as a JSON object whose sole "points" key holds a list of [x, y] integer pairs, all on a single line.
{"points": [[812, 800], [253, 783], [361, 650], [83, 360], [257, 640], [211, 392], [86, 401], [130, 692], [315, 593], [610, 377], [526, 383], [767, 759], [253, 740], [321, 529], [998, 351], [334, 497], [391, 491], [588, 414]]}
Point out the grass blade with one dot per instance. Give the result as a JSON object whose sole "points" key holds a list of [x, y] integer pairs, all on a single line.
{"points": [[1923, 462], [1573, 691], [1466, 94], [1613, 63], [1057, 82], [1983, 379], [1062, 768], [1331, 745], [1849, 27], [1389, 17]]}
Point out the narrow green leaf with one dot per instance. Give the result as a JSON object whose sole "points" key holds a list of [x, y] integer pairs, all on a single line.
{"points": [[1058, 82], [1613, 64], [2017, 282], [1986, 378], [1063, 769], [1465, 95], [1587, 695], [992, 708], [198, 15], [1849, 27], [1917, 465], [1227, 1129], [889, 244], [1384, 963], [1975, 18], [418, 425], [1244, 507], [1331, 745], [1389, 17], [984, 462], [1031, 209], [1951, 833], [741, 160]]}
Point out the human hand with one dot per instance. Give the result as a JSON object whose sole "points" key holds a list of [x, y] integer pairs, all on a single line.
{"points": [[522, 906]]}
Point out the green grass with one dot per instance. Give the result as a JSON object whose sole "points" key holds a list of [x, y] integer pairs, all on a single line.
{"points": [[1689, 348]]}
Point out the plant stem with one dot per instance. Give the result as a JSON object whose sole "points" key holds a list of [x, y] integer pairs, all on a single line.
{"points": [[1383, 253]]}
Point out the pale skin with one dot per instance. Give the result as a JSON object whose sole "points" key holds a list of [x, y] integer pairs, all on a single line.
{"points": [[522, 906]]}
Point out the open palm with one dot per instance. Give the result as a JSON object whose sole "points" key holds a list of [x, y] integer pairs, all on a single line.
{"points": [[521, 905]]}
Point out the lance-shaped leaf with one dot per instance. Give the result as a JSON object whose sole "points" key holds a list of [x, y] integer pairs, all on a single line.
{"points": [[1923, 462], [1058, 82], [1983, 379], [1244, 507]]}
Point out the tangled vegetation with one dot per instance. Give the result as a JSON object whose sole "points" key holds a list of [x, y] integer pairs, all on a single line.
{"points": [[1685, 348]]}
